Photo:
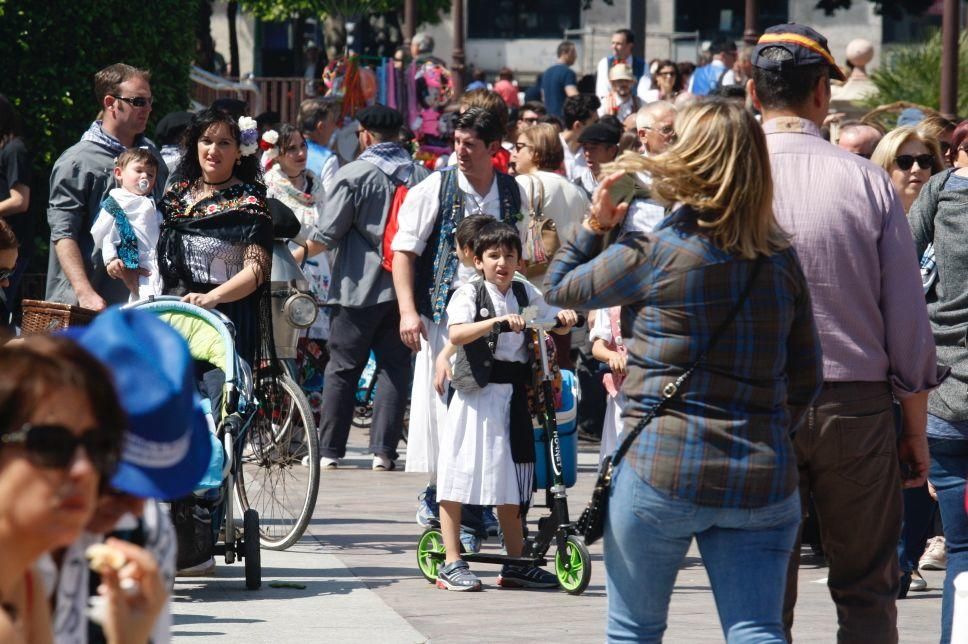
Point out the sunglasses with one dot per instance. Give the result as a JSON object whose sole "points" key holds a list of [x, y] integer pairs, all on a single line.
{"points": [[906, 161], [6, 273], [135, 101], [54, 446], [520, 146], [666, 74]]}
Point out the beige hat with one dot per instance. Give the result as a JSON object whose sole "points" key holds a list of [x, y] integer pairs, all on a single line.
{"points": [[621, 72]]}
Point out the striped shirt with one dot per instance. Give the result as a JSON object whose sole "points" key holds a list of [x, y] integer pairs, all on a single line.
{"points": [[724, 441]]}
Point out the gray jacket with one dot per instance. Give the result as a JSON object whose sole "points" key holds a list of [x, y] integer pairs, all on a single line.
{"points": [[81, 178], [938, 216], [352, 225]]}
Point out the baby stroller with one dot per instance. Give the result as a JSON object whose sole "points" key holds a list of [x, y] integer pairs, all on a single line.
{"points": [[263, 439]]}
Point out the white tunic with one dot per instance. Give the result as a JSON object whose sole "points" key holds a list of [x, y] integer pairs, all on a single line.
{"points": [[475, 464], [145, 221], [612, 427]]}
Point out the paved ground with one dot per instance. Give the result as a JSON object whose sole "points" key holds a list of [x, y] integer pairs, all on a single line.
{"points": [[357, 562]]}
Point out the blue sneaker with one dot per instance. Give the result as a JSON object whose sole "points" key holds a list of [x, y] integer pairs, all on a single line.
{"points": [[427, 513], [470, 541], [491, 523]]}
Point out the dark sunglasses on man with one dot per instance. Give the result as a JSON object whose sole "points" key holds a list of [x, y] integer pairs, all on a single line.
{"points": [[906, 161], [135, 101], [54, 446]]}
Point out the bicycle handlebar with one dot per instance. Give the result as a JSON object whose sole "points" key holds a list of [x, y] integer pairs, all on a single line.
{"points": [[545, 325]]}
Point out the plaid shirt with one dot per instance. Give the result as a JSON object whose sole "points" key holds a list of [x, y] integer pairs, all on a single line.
{"points": [[724, 441]]}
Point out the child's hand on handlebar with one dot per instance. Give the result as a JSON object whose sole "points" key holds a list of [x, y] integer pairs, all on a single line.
{"points": [[567, 318], [515, 321]]}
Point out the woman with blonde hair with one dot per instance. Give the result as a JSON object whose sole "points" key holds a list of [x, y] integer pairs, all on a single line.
{"points": [[910, 157], [723, 360]]}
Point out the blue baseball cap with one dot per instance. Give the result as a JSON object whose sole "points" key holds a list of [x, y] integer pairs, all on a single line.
{"points": [[167, 447]]}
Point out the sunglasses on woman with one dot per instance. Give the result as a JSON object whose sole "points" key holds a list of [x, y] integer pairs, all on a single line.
{"points": [[54, 446], [906, 161]]}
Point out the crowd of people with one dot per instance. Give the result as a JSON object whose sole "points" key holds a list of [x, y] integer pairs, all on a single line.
{"points": [[777, 328]]}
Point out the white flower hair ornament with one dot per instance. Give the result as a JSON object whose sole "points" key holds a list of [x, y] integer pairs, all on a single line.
{"points": [[248, 135], [269, 144]]}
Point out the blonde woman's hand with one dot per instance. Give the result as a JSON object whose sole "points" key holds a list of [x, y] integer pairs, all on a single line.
{"points": [[134, 596], [603, 210], [204, 300]]}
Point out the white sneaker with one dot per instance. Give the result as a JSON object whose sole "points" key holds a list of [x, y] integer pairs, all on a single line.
{"points": [[325, 462], [383, 464], [204, 569], [935, 555], [918, 583]]}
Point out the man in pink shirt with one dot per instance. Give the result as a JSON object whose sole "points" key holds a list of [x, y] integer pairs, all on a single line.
{"points": [[854, 243]]}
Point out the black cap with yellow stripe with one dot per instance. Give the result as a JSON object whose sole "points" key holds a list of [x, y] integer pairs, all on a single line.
{"points": [[805, 45]]}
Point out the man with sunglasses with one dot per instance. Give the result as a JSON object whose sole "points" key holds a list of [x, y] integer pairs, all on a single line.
{"points": [[655, 126], [80, 180]]}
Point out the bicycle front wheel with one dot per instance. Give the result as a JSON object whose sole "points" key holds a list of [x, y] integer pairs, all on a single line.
{"points": [[278, 475]]}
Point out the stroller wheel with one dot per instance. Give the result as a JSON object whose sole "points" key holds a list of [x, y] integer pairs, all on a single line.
{"points": [[250, 545], [431, 541], [573, 566]]}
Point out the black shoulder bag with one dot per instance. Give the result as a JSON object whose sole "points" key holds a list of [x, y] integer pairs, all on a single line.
{"points": [[591, 523]]}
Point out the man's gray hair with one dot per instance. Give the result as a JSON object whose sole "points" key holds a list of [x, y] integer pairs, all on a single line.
{"points": [[424, 43], [645, 117]]}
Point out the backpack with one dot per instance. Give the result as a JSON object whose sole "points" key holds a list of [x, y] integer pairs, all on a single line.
{"points": [[393, 224]]}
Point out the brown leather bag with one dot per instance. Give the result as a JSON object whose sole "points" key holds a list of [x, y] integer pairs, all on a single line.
{"points": [[541, 240]]}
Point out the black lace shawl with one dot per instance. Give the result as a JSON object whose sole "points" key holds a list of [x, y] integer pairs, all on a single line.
{"points": [[231, 227]]}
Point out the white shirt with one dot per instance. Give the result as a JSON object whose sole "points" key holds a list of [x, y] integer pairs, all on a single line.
{"points": [[418, 213], [145, 221], [625, 108], [574, 161], [563, 202], [603, 87], [510, 346]]}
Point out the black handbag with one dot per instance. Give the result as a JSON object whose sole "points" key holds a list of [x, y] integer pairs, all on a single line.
{"points": [[591, 523]]}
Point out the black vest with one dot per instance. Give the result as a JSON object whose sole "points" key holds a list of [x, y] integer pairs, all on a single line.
{"points": [[472, 368]]}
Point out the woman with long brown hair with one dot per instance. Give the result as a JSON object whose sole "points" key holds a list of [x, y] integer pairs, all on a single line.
{"points": [[722, 332]]}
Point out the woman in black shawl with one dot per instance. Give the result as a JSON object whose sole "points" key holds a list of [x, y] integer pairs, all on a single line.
{"points": [[216, 238]]}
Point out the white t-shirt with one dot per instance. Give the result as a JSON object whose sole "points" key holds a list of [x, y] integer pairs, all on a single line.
{"points": [[418, 213], [574, 162], [510, 346]]}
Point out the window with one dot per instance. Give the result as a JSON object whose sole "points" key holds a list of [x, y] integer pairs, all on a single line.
{"points": [[725, 17], [507, 19]]}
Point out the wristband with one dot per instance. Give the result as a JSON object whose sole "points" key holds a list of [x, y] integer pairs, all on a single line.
{"points": [[597, 227]]}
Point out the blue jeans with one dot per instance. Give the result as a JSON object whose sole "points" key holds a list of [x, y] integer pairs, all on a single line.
{"points": [[647, 535], [949, 468]]}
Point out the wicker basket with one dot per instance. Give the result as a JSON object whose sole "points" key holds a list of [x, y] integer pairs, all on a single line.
{"points": [[46, 317]]}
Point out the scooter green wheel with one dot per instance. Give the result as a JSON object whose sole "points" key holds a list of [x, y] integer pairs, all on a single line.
{"points": [[573, 566], [430, 541]]}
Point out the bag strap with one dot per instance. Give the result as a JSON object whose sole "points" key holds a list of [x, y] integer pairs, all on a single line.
{"points": [[673, 388]]}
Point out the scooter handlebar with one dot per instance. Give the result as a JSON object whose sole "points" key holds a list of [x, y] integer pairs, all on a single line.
{"points": [[504, 327]]}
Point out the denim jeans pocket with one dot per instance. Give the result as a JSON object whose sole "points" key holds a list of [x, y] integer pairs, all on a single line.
{"points": [[866, 446], [657, 508]]}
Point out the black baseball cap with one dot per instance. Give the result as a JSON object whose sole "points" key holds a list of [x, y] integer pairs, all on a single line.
{"points": [[600, 133], [805, 45]]}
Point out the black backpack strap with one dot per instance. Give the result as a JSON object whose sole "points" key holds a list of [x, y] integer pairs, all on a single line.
{"points": [[520, 294]]}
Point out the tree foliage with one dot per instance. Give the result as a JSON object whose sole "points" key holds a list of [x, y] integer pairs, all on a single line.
{"points": [[52, 50], [889, 8], [428, 11], [50, 53], [913, 73]]}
